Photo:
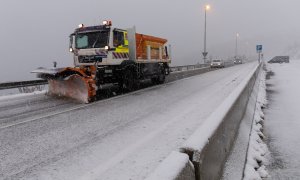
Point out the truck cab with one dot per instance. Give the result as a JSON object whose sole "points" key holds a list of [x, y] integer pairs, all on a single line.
{"points": [[106, 45], [114, 51]]}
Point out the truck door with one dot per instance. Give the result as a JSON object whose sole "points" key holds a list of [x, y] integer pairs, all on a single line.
{"points": [[120, 41]]}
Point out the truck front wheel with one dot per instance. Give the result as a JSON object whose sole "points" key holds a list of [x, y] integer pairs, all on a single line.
{"points": [[128, 82]]}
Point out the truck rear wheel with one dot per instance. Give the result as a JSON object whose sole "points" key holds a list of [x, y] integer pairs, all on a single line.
{"points": [[160, 79]]}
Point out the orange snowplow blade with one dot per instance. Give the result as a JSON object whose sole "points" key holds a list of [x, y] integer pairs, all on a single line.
{"points": [[69, 82], [75, 87]]}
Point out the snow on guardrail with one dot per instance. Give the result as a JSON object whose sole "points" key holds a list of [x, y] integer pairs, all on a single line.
{"points": [[17, 84]]}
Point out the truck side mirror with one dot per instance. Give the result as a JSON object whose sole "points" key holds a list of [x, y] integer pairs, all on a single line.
{"points": [[71, 45]]}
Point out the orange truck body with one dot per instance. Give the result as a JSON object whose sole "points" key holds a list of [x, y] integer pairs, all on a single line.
{"points": [[142, 41]]}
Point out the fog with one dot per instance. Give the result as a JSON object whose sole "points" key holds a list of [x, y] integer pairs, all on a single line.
{"points": [[35, 33]]}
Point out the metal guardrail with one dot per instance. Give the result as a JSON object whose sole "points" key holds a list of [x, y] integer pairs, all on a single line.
{"points": [[188, 67], [12, 85]]}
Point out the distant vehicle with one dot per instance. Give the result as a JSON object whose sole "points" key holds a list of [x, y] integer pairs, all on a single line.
{"points": [[238, 61], [280, 59], [217, 63]]}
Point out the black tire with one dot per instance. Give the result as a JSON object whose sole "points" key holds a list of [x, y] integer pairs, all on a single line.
{"points": [[154, 80], [160, 78], [129, 82]]}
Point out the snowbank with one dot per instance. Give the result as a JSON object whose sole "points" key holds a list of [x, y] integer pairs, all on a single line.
{"points": [[234, 166], [255, 168]]}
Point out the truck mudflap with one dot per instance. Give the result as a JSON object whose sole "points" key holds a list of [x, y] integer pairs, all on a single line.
{"points": [[71, 83]]}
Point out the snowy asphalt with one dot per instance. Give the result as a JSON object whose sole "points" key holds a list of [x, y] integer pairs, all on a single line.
{"points": [[282, 120], [124, 137]]}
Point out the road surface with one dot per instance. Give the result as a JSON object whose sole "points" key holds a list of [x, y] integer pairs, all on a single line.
{"points": [[124, 137]]}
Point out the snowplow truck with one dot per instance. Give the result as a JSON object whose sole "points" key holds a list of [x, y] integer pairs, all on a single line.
{"points": [[106, 55]]}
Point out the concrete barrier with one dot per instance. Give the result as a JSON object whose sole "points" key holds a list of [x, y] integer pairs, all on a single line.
{"points": [[176, 166], [211, 144], [235, 163]]}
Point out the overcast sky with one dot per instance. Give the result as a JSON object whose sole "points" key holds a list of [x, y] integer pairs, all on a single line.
{"points": [[35, 33]]}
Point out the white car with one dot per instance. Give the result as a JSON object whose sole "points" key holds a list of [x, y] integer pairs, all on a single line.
{"points": [[217, 63]]}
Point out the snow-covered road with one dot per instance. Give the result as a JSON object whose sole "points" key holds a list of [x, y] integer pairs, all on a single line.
{"points": [[282, 120], [124, 137]]}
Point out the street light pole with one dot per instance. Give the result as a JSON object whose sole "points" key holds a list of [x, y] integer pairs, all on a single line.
{"points": [[236, 45], [204, 53]]}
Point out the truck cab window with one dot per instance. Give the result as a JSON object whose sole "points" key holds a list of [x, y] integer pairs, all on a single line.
{"points": [[98, 39], [82, 41], [118, 38]]}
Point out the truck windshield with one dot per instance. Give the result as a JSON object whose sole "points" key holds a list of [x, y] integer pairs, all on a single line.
{"points": [[91, 40]]}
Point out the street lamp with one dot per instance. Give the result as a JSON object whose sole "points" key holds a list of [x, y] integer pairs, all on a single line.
{"points": [[236, 45], [207, 7]]}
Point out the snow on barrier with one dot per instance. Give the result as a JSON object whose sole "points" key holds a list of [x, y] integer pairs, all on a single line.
{"points": [[176, 166], [211, 143], [235, 163]]}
